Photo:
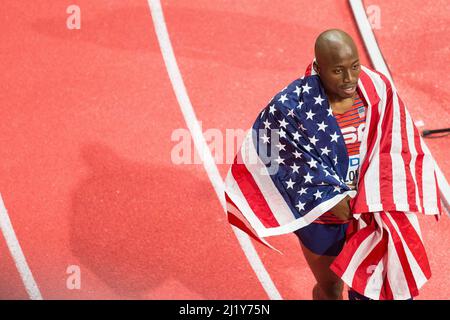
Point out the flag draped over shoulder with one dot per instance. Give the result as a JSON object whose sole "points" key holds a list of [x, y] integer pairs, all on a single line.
{"points": [[292, 166]]}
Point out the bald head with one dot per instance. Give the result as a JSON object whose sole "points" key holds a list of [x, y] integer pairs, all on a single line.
{"points": [[334, 44], [337, 63]]}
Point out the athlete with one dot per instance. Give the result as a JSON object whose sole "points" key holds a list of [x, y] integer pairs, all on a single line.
{"points": [[337, 64], [384, 257]]}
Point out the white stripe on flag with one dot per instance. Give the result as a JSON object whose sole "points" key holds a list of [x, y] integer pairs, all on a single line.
{"points": [[235, 194], [413, 151], [277, 204], [395, 274], [398, 166], [417, 272], [232, 209], [281, 211], [363, 146], [361, 253], [313, 71], [428, 182], [415, 223], [373, 197], [376, 281]]}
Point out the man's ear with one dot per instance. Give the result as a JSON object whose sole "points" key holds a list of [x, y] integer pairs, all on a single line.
{"points": [[316, 67]]}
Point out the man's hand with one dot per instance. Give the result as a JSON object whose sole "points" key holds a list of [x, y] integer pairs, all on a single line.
{"points": [[342, 209]]}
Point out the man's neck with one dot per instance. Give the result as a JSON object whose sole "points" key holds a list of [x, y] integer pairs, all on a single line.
{"points": [[341, 105]]}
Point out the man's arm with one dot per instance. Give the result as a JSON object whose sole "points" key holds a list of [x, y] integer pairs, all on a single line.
{"points": [[342, 209]]}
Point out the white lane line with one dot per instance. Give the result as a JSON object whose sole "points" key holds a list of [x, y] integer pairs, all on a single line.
{"points": [[379, 64], [201, 146], [17, 254]]}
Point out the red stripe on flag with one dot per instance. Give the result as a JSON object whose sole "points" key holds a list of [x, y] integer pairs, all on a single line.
{"points": [[364, 272], [386, 171], [342, 261], [240, 222], [359, 204], [308, 70], [386, 293], [406, 155], [413, 241], [438, 199], [252, 194], [418, 164], [410, 281]]}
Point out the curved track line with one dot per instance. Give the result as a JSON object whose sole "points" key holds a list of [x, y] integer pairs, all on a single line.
{"points": [[201, 146], [17, 254], [378, 62]]}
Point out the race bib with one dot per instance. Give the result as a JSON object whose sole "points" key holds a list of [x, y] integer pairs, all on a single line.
{"points": [[352, 172]]}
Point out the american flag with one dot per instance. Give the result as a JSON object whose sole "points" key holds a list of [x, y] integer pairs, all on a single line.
{"points": [[292, 166]]}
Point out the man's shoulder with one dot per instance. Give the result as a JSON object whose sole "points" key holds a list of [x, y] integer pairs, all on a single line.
{"points": [[376, 75], [292, 92]]}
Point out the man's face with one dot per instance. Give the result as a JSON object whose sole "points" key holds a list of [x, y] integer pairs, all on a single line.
{"points": [[339, 72]]}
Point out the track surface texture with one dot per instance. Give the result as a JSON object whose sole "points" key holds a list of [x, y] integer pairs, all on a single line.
{"points": [[87, 119]]}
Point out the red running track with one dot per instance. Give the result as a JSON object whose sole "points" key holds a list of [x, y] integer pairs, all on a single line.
{"points": [[87, 119]]}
